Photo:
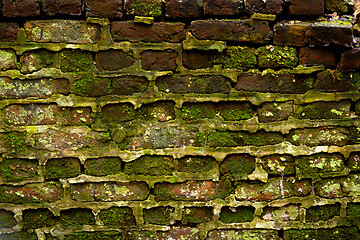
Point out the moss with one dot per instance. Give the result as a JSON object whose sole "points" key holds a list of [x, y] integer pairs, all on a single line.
{"points": [[236, 114], [33, 219], [118, 216], [62, 168], [237, 215], [18, 169], [7, 219], [192, 111], [261, 138], [18, 235], [16, 142], [353, 78], [353, 212], [74, 61], [158, 215], [237, 167], [151, 165], [276, 56], [322, 213], [76, 218], [196, 164], [92, 86], [339, 6], [343, 233], [222, 139], [147, 8], [96, 236], [238, 58], [102, 166]]}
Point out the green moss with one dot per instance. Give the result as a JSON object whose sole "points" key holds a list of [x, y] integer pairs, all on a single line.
{"points": [[151, 165], [237, 215], [158, 215], [102, 166], [353, 78], [192, 111], [196, 164], [343, 233], [33, 219], [238, 58], [236, 114], [16, 141], [221, 139], [147, 8], [74, 61], [76, 218], [18, 169], [18, 235], [118, 217], [261, 138], [92, 86], [322, 213], [353, 212], [62, 168], [276, 56], [95, 236], [237, 167]]}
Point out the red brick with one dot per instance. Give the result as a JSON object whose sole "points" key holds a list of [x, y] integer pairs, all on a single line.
{"points": [[109, 191], [128, 85], [162, 111], [324, 110], [8, 31], [266, 7], [20, 8], [197, 164], [76, 116], [248, 31], [194, 215], [243, 234], [277, 111], [159, 60], [317, 56], [143, 7], [329, 188], [350, 60], [33, 114], [92, 86], [36, 60], [157, 32], [192, 191], [283, 214], [7, 59], [112, 60], [222, 7], [159, 215], [18, 169], [307, 7], [193, 111], [151, 165], [290, 33], [62, 168], [63, 7], [195, 59], [179, 234], [183, 9], [104, 9], [330, 81]]}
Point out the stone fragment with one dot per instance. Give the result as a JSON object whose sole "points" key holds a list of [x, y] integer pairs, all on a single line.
{"points": [[183, 9], [159, 60], [277, 111], [110, 9], [112, 60], [266, 7], [307, 7], [8, 31], [63, 7], [290, 33], [20, 8], [317, 56], [222, 7], [350, 60], [32, 114]]}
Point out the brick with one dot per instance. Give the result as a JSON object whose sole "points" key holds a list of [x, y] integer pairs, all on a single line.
{"points": [[265, 7], [76, 116], [324, 110], [174, 234], [37, 218], [61, 31], [37, 60], [115, 113], [276, 56], [20, 8], [8, 31], [109, 191], [323, 136], [353, 162], [197, 164], [243, 31], [243, 234], [151, 165], [157, 32], [103, 166], [236, 167], [31, 193], [7, 219], [162, 111], [317, 56], [275, 188], [193, 84], [76, 61], [350, 60], [242, 138], [290, 33], [76, 217], [62, 168], [237, 214], [234, 111], [192, 191], [277, 111], [195, 59], [329, 188], [128, 85], [59, 86], [63, 7], [159, 215], [18, 169], [237, 57], [222, 7], [195, 215], [322, 213], [143, 7], [194, 111], [7, 59], [113, 60], [92, 86], [32, 114], [281, 214], [330, 33], [346, 233], [159, 60], [111, 9], [278, 164], [306, 7], [330, 81], [351, 185], [117, 216], [183, 9], [19, 235]]}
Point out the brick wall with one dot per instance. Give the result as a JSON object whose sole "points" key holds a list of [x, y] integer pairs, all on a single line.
{"points": [[193, 119]]}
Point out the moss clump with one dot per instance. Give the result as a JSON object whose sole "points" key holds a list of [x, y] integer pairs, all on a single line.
{"points": [[118, 216], [237, 167], [38, 218], [322, 213], [235, 111], [237, 215], [238, 58], [158, 215], [92, 86], [18, 169], [192, 111], [16, 142], [276, 56], [75, 61], [76, 218], [147, 8], [62, 168], [7, 219], [151, 165], [222, 139], [102, 166]]}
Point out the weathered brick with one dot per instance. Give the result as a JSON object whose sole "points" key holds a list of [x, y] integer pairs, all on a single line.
{"points": [[329, 188], [143, 7], [193, 84], [157, 32], [128, 85], [7, 219], [353, 212], [276, 56], [324, 110], [112, 60], [248, 31], [61, 31], [194, 111], [345, 233], [8, 31], [275, 188], [102, 166], [197, 164], [7, 59], [266, 7], [115, 113], [237, 214], [330, 81], [109, 191], [76, 61], [20, 8], [159, 215], [76, 217], [174, 234], [351, 185], [350, 60], [63, 7], [194, 215], [222, 7], [162, 111], [151, 165], [290, 33], [118, 216], [31, 193], [76, 116], [95, 235], [277, 111], [236, 167], [18, 169], [19, 235], [353, 162], [183, 9], [92, 86], [328, 33], [243, 234], [192, 190], [36, 60], [62, 168], [37, 218], [195, 59], [317, 56], [322, 213], [105, 9], [281, 214], [32, 114], [307, 7], [237, 57], [278, 164], [159, 60], [15, 142], [234, 111]]}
